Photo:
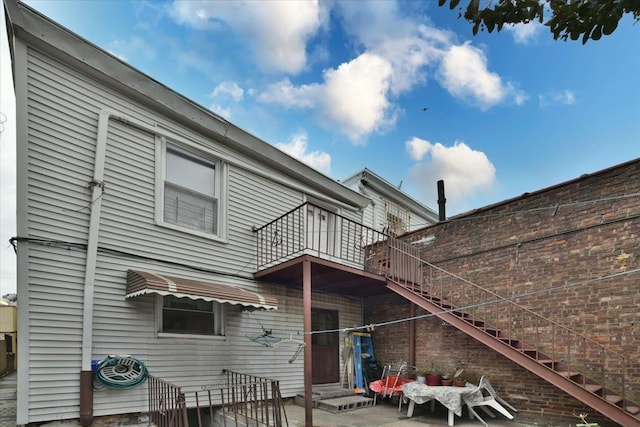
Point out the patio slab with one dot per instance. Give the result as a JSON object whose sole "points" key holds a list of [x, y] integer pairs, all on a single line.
{"points": [[386, 414]]}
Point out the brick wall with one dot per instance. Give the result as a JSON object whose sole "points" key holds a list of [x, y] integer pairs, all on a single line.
{"points": [[550, 244]]}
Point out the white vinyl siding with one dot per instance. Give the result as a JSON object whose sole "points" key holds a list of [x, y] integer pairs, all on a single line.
{"points": [[64, 106]]}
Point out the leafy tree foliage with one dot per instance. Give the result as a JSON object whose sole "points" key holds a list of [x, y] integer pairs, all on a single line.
{"points": [[570, 19]]}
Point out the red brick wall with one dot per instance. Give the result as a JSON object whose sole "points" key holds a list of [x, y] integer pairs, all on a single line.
{"points": [[562, 236]]}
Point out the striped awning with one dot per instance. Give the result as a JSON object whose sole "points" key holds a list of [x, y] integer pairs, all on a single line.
{"points": [[146, 282]]}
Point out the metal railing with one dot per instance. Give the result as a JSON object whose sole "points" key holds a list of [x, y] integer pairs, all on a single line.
{"points": [[567, 352], [242, 400], [167, 405], [314, 230]]}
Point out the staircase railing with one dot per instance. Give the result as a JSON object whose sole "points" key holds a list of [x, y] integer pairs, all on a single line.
{"points": [[242, 400], [167, 405], [569, 353]]}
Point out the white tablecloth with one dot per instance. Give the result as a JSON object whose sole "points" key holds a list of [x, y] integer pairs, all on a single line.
{"points": [[451, 397]]}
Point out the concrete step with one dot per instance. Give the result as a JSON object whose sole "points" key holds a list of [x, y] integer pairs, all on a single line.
{"points": [[342, 404], [331, 391]]}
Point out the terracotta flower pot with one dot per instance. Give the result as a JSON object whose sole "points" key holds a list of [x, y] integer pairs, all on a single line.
{"points": [[460, 383], [433, 380], [447, 382]]}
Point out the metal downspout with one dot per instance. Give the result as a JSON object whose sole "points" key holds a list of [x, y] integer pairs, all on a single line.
{"points": [[364, 191], [97, 189]]}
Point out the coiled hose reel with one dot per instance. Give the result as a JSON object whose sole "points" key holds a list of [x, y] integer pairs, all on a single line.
{"points": [[120, 371]]}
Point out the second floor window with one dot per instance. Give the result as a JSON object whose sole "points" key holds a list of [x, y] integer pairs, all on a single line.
{"points": [[191, 198], [397, 218]]}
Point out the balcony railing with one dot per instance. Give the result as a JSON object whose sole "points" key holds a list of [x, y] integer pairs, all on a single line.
{"points": [[312, 230]]}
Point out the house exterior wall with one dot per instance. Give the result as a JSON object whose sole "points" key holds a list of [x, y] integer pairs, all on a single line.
{"points": [[58, 148], [562, 236], [375, 214]]}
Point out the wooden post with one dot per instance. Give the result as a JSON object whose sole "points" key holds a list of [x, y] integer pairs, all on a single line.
{"points": [[308, 371]]}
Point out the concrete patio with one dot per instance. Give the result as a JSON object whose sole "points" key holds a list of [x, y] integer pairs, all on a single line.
{"points": [[386, 414]]}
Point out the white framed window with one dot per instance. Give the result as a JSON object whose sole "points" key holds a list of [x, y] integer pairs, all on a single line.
{"points": [[186, 316], [190, 191], [397, 218]]}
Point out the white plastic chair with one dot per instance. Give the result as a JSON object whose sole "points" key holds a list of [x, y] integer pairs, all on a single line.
{"points": [[482, 396]]}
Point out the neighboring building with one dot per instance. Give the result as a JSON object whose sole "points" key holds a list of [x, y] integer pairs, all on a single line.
{"points": [[149, 226], [569, 253], [391, 209]]}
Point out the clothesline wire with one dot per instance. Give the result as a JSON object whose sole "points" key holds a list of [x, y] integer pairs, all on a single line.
{"points": [[372, 326]]}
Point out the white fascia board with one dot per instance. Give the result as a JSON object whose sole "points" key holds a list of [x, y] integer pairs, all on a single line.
{"points": [[46, 35]]}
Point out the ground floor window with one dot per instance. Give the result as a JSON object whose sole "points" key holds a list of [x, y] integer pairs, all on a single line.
{"points": [[191, 316]]}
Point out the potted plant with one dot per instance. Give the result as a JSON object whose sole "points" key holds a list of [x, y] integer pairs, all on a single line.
{"points": [[447, 377], [421, 375], [433, 375], [447, 380], [458, 379]]}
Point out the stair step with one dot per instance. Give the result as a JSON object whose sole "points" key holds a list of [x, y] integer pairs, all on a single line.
{"points": [[613, 398], [461, 314], [331, 391], [343, 404], [558, 366], [593, 388], [568, 374]]}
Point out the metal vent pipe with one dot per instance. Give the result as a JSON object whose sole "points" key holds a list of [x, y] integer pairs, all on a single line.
{"points": [[442, 214]]}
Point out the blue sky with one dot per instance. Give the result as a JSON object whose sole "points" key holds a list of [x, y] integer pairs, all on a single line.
{"points": [[344, 85]]}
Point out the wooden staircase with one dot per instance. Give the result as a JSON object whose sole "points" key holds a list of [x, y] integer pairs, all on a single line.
{"points": [[581, 367]]}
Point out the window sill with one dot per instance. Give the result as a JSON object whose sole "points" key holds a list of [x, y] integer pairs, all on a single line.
{"points": [[165, 335], [192, 232]]}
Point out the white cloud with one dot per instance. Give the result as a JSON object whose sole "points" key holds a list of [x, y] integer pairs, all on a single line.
{"points": [[134, 47], [221, 111], [524, 33], [228, 89], [298, 147], [418, 148], [466, 172], [353, 97], [276, 30], [393, 53], [562, 97], [286, 94], [463, 72]]}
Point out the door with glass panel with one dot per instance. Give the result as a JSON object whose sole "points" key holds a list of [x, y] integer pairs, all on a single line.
{"points": [[323, 232], [326, 346]]}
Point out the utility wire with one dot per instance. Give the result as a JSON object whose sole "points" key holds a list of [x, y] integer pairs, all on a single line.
{"points": [[125, 254], [482, 304]]}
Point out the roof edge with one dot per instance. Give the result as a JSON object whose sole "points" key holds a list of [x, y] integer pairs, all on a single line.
{"points": [[42, 32]]}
